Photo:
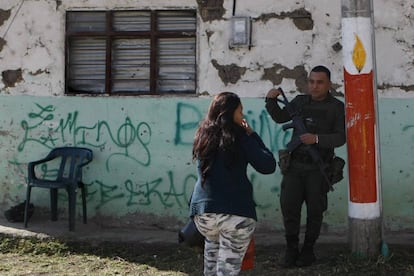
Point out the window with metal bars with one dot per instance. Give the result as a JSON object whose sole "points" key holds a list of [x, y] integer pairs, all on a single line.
{"points": [[131, 52]]}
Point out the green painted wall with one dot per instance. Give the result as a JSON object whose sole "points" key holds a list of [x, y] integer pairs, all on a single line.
{"points": [[142, 154]]}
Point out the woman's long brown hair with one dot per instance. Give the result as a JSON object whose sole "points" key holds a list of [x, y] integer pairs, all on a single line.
{"points": [[217, 131]]}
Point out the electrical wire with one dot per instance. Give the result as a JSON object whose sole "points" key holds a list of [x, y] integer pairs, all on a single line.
{"points": [[14, 17]]}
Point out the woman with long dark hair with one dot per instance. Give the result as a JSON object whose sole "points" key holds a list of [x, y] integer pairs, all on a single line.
{"points": [[222, 202]]}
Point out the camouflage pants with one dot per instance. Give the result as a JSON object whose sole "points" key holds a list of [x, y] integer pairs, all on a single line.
{"points": [[227, 239]]}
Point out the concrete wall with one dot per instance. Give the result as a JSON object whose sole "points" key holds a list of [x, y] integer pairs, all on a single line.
{"points": [[142, 145], [143, 163]]}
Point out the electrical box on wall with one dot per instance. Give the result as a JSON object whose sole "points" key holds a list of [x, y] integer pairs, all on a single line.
{"points": [[240, 32]]}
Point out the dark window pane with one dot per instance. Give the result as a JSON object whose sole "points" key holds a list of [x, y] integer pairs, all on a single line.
{"points": [[131, 65], [176, 65], [86, 68], [86, 21], [176, 21], [132, 21]]}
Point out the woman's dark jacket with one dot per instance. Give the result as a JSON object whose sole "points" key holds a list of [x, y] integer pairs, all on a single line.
{"points": [[227, 190]]}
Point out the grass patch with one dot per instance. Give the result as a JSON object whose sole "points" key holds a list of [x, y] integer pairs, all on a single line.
{"points": [[32, 256]]}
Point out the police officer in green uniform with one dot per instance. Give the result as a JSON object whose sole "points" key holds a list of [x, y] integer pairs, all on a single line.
{"points": [[303, 181]]}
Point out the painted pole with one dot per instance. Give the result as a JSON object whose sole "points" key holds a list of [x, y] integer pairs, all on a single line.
{"points": [[364, 209]]}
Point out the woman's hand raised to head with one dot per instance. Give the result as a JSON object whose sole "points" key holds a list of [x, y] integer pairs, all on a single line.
{"points": [[246, 126]]}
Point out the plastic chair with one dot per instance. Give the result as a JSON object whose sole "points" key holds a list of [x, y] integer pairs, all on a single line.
{"points": [[68, 176]]}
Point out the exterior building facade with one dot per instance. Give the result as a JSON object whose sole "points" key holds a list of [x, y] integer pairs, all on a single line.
{"points": [[131, 80]]}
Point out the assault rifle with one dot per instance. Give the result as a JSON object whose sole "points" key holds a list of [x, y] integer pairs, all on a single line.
{"points": [[300, 128]]}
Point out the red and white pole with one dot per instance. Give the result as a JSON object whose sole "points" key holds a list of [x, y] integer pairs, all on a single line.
{"points": [[365, 212]]}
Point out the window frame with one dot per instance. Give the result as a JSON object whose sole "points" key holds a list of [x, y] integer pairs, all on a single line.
{"points": [[109, 35]]}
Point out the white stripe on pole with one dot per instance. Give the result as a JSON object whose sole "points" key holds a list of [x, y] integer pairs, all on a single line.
{"points": [[363, 210], [353, 27]]}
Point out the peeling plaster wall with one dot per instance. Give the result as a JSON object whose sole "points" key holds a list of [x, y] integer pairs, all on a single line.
{"points": [[33, 43], [283, 41], [288, 39], [394, 24]]}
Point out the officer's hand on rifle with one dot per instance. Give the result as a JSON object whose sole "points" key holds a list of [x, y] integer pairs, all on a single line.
{"points": [[309, 138], [273, 93]]}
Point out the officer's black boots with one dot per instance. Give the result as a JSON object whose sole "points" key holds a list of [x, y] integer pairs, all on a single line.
{"points": [[306, 256], [292, 252], [291, 256]]}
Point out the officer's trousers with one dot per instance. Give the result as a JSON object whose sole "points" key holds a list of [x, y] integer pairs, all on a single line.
{"points": [[303, 183]]}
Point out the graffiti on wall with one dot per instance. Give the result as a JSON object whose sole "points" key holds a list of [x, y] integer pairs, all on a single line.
{"points": [[158, 191], [273, 135], [69, 130], [131, 140]]}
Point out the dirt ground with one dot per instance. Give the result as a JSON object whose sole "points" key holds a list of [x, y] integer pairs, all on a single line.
{"points": [[30, 256], [152, 249]]}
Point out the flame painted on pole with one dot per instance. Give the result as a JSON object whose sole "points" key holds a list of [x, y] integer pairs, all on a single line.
{"points": [[359, 55], [360, 117]]}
